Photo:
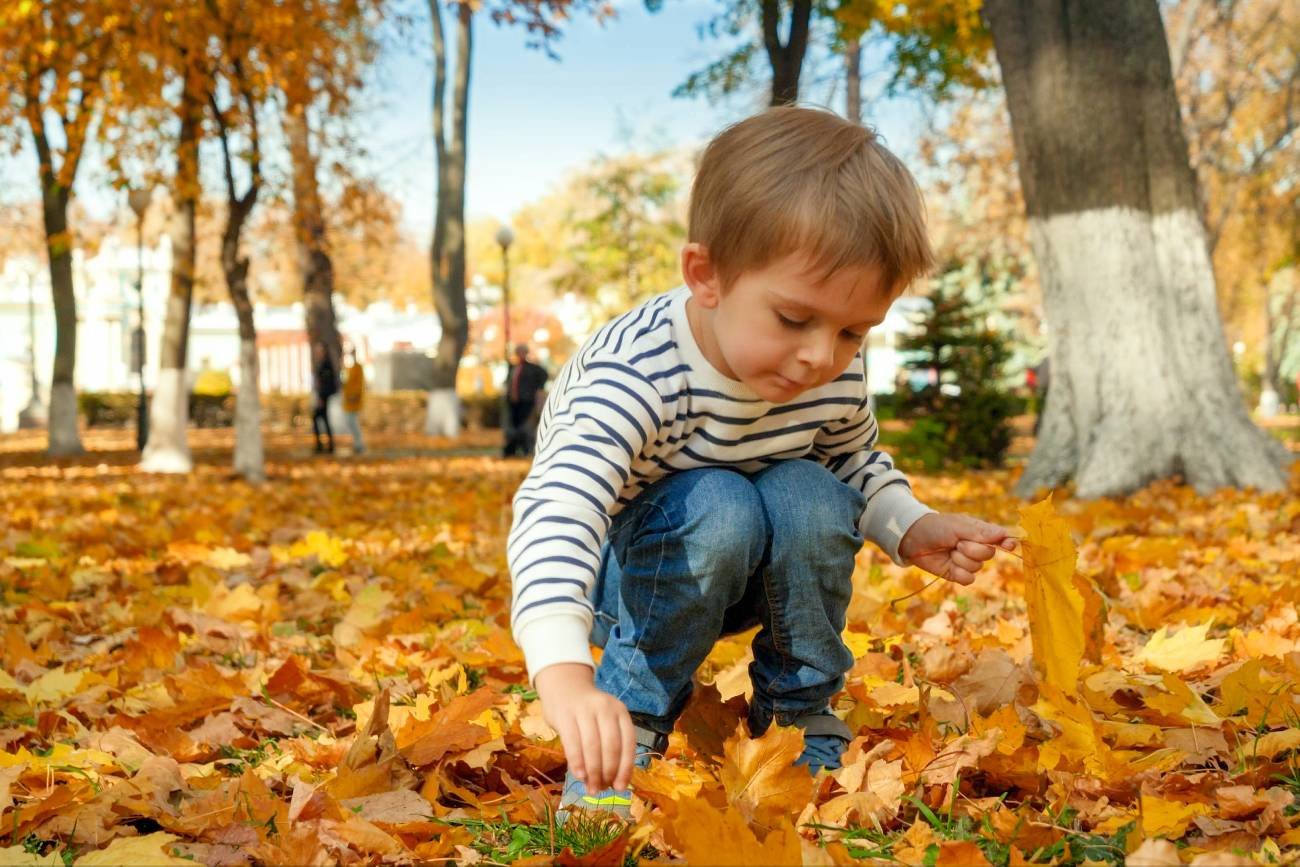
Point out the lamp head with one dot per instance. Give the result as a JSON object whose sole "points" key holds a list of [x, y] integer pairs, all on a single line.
{"points": [[139, 199]]}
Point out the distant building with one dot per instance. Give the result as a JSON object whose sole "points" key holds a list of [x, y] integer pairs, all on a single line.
{"points": [[107, 303]]}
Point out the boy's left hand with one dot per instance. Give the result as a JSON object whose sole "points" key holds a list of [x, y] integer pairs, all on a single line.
{"points": [[953, 546]]}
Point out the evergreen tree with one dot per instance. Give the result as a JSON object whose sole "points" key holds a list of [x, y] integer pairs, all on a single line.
{"points": [[966, 407]]}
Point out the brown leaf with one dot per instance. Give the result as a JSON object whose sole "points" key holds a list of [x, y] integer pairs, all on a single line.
{"points": [[393, 808], [447, 730]]}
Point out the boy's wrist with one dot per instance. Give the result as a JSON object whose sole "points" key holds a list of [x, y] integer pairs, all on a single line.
{"points": [[564, 677]]}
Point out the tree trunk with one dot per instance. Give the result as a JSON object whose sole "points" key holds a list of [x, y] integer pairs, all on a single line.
{"points": [[448, 249], [853, 80], [167, 450], [786, 59], [63, 437], [248, 458], [1142, 384], [313, 251], [62, 432]]}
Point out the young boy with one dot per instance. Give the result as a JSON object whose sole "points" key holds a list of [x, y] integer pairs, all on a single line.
{"points": [[705, 463]]}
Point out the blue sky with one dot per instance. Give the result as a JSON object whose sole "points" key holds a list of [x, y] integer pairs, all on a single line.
{"points": [[533, 119]]}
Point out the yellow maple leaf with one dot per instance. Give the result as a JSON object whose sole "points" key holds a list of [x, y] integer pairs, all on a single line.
{"points": [[1080, 743], [368, 610], [19, 856], [1185, 650], [54, 686], [327, 549], [1162, 818], [61, 755], [227, 559], [146, 851], [1060, 617], [760, 776]]}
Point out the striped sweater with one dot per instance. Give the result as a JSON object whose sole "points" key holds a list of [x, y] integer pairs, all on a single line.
{"points": [[637, 402]]}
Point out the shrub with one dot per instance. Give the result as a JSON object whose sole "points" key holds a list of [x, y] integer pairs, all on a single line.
{"points": [[967, 411], [395, 412]]}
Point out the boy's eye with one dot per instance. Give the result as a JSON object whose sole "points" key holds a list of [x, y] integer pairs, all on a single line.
{"points": [[791, 323], [854, 336]]}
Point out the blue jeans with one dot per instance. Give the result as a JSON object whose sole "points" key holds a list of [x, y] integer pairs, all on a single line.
{"points": [[712, 552]]}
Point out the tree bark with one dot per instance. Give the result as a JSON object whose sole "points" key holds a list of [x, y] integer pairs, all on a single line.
{"points": [[248, 458], [167, 450], [448, 248], [853, 80], [786, 59], [313, 250], [1142, 384], [63, 437]]}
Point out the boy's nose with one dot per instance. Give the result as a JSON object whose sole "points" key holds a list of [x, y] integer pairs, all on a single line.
{"points": [[817, 354]]}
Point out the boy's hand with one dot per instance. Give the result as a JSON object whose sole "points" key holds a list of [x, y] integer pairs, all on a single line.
{"points": [[953, 546], [594, 727]]}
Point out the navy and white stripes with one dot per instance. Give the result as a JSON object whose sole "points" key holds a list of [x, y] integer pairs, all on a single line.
{"points": [[638, 402]]}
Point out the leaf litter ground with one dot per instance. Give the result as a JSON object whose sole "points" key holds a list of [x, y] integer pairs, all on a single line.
{"points": [[319, 670]]}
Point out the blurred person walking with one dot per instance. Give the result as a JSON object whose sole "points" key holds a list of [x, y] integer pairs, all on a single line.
{"points": [[354, 395], [524, 388], [325, 384]]}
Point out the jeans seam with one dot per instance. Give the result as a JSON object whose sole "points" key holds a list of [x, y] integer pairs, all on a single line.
{"points": [[778, 642], [654, 594]]}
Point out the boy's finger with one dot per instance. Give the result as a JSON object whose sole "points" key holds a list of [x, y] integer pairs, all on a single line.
{"points": [[627, 734], [571, 740], [591, 754], [958, 575], [976, 550], [966, 564], [611, 741]]}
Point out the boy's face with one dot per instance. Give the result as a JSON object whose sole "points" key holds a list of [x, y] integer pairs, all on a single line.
{"points": [[777, 330]]}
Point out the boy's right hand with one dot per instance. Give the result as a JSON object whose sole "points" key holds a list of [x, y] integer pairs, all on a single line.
{"points": [[594, 727]]}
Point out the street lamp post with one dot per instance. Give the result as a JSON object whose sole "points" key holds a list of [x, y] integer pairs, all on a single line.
{"points": [[505, 238], [139, 201]]}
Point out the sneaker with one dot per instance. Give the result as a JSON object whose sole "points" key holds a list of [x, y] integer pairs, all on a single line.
{"points": [[825, 736], [617, 801]]}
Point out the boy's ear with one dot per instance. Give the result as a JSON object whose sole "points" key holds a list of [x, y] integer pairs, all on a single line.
{"points": [[700, 276]]}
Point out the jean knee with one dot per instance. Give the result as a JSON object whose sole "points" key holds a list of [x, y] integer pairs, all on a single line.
{"points": [[725, 529], [811, 507]]}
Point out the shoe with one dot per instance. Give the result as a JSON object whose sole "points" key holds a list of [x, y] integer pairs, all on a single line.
{"points": [[825, 736], [617, 801]]}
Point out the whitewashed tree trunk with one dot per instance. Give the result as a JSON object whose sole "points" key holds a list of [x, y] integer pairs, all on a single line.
{"points": [[442, 417], [63, 436], [447, 251], [167, 450], [248, 460], [1142, 384]]}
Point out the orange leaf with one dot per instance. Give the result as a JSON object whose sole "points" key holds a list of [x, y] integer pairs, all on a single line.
{"points": [[702, 832], [760, 776], [448, 730]]}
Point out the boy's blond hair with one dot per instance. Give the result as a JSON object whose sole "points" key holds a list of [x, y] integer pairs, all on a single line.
{"points": [[796, 179]]}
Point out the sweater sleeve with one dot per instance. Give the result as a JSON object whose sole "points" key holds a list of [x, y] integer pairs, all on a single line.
{"points": [[848, 450], [596, 422]]}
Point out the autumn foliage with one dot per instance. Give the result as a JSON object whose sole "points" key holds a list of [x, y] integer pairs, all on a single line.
{"points": [[319, 670]]}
